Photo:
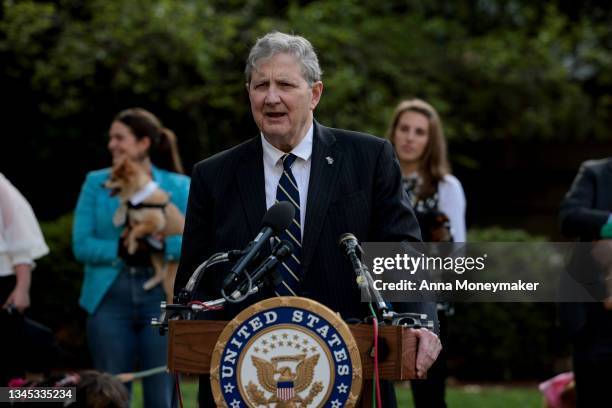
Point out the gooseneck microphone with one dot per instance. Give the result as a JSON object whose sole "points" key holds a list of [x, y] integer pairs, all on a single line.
{"points": [[348, 242], [277, 219]]}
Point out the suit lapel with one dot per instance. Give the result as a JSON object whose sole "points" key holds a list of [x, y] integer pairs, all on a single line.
{"points": [[324, 170], [250, 180]]}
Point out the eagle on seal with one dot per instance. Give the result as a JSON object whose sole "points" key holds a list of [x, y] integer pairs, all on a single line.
{"points": [[287, 384]]}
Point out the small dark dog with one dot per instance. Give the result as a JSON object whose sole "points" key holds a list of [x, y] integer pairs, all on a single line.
{"points": [[435, 226]]}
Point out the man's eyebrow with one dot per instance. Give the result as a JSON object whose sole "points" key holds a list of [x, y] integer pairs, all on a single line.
{"points": [[282, 78]]}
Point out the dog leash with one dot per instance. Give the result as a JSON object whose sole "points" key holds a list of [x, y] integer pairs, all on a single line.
{"points": [[129, 377]]}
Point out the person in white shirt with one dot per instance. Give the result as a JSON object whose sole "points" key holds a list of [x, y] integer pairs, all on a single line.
{"points": [[21, 242], [417, 135], [438, 201]]}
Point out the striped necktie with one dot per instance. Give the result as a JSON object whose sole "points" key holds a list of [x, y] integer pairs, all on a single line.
{"points": [[291, 268]]}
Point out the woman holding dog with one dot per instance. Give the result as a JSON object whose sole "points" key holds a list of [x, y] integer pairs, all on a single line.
{"points": [[120, 310], [439, 203]]}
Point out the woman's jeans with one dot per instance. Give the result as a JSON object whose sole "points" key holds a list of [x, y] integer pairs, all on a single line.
{"points": [[121, 338]]}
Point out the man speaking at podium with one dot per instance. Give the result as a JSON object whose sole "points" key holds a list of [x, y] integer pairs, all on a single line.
{"points": [[339, 181]]}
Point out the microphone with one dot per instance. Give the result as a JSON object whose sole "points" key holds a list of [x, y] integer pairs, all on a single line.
{"points": [[348, 242], [281, 251], [277, 219]]}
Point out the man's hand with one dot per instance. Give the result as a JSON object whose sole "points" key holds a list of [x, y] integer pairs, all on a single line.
{"points": [[608, 302], [602, 252], [428, 351]]}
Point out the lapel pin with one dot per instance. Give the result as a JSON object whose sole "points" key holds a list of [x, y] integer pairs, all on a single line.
{"points": [[329, 160]]}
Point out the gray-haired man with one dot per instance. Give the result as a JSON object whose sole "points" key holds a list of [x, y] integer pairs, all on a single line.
{"points": [[344, 182]]}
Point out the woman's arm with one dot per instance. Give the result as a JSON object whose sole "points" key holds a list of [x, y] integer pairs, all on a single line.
{"points": [[23, 241], [179, 198], [452, 203], [578, 216], [87, 246]]}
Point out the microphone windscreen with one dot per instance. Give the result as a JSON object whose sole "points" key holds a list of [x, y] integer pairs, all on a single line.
{"points": [[279, 216]]}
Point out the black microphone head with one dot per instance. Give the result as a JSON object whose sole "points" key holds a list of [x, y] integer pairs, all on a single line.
{"points": [[284, 249], [279, 216]]}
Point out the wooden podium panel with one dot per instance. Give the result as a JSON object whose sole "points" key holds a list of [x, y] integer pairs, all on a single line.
{"points": [[191, 343]]}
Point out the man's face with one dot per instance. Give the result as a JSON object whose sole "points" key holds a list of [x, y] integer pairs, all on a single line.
{"points": [[281, 100]]}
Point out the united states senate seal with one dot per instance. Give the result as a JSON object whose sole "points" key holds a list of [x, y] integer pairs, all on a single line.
{"points": [[286, 352]]}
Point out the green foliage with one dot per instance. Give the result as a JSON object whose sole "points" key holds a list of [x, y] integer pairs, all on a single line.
{"points": [[56, 285], [503, 341], [498, 234], [508, 70], [475, 396]]}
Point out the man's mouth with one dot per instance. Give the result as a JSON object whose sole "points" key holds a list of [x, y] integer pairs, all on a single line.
{"points": [[114, 191], [275, 115]]}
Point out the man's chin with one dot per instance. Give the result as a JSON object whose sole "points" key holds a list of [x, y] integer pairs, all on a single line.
{"points": [[276, 132]]}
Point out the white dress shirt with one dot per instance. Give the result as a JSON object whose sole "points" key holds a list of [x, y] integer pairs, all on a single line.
{"points": [[273, 170]]}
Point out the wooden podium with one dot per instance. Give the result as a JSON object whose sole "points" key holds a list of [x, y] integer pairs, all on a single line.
{"points": [[191, 344]]}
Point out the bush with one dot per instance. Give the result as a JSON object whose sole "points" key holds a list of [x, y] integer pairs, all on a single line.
{"points": [[503, 341], [55, 290], [498, 234]]}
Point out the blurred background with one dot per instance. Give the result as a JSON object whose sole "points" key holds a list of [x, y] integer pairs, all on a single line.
{"points": [[523, 89]]}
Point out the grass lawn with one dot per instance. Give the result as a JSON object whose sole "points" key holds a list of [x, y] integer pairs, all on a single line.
{"points": [[457, 397], [481, 397]]}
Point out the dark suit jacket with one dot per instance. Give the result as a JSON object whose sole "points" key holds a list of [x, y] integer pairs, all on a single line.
{"points": [[359, 192], [584, 211]]}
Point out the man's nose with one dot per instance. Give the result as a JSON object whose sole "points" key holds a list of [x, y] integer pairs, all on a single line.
{"points": [[272, 96]]}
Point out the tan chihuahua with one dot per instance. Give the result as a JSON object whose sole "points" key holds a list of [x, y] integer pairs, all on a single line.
{"points": [[145, 211]]}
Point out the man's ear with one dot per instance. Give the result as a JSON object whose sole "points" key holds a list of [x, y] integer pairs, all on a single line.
{"points": [[248, 89], [317, 91]]}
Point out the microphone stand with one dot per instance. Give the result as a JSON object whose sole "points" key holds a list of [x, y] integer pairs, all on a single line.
{"points": [[186, 294], [178, 311], [389, 316], [187, 307]]}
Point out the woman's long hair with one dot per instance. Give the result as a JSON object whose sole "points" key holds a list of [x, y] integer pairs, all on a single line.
{"points": [[164, 148], [433, 165]]}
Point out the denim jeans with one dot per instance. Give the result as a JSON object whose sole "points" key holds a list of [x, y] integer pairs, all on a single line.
{"points": [[121, 338]]}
